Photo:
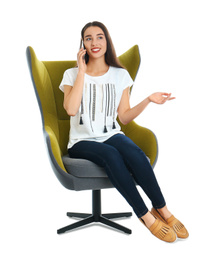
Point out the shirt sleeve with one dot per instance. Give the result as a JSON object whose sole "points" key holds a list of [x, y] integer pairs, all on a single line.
{"points": [[127, 80], [68, 79]]}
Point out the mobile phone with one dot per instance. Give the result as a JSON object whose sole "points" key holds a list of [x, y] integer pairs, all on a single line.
{"points": [[82, 45]]}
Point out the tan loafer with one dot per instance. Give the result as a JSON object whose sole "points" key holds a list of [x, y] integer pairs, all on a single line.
{"points": [[162, 231], [174, 223]]}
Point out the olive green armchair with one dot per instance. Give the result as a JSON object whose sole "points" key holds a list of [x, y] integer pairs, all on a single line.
{"points": [[78, 174]]}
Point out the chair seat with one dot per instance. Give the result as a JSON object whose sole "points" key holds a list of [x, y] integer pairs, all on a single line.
{"points": [[77, 167]]}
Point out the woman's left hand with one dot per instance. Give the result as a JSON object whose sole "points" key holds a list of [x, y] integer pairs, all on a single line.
{"points": [[160, 97]]}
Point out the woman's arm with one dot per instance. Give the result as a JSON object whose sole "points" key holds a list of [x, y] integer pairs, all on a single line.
{"points": [[73, 94], [126, 114]]}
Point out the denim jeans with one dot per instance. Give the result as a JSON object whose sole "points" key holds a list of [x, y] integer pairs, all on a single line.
{"points": [[125, 163]]}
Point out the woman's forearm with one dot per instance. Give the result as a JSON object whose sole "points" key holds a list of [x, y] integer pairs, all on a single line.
{"points": [[73, 98], [131, 113]]}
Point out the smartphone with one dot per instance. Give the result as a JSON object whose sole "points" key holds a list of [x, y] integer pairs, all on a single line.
{"points": [[82, 45]]}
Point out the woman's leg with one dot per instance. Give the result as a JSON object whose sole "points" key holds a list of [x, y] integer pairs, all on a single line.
{"points": [[140, 168], [108, 157]]}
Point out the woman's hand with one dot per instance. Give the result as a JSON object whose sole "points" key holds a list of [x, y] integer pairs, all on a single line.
{"points": [[160, 97], [81, 60]]}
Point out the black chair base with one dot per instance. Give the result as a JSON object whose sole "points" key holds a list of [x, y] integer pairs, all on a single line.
{"points": [[96, 216]]}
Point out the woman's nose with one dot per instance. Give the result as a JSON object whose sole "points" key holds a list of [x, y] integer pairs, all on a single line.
{"points": [[94, 42]]}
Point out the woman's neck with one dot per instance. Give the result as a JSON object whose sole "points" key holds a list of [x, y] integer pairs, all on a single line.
{"points": [[97, 67]]}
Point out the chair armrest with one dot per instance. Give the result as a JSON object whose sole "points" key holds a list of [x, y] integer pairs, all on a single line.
{"points": [[144, 138]]}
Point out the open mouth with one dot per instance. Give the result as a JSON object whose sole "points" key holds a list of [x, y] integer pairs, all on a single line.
{"points": [[95, 50]]}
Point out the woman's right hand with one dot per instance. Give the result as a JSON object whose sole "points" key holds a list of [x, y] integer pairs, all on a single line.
{"points": [[81, 60]]}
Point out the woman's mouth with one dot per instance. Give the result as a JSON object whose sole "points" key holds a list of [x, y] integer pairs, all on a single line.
{"points": [[95, 50]]}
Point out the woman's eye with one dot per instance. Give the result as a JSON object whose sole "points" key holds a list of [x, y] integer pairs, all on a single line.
{"points": [[88, 39]]}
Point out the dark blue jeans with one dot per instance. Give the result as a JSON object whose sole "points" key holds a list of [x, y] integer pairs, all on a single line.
{"points": [[125, 163]]}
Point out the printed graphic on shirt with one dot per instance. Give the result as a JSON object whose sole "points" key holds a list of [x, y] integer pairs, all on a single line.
{"points": [[98, 99]]}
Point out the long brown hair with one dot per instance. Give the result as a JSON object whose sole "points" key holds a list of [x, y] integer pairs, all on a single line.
{"points": [[110, 55]]}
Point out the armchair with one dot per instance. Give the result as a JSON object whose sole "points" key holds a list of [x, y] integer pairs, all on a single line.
{"points": [[78, 174]]}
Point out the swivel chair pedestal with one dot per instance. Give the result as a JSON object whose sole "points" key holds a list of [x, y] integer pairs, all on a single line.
{"points": [[96, 216]]}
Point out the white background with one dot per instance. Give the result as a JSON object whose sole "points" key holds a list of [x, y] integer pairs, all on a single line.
{"points": [[176, 40]]}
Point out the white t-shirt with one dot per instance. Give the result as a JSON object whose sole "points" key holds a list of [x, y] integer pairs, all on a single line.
{"points": [[96, 118]]}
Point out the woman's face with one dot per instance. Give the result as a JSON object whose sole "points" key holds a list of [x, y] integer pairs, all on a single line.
{"points": [[95, 42]]}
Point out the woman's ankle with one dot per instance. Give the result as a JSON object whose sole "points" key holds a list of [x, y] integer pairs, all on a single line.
{"points": [[148, 219], [164, 212]]}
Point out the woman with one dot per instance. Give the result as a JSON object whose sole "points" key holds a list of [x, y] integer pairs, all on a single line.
{"points": [[95, 93]]}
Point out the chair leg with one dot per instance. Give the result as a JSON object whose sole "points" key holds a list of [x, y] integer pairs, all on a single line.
{"points": [[76, 225], [78, 215], [96, 216], [115, 225], [117, 215]]}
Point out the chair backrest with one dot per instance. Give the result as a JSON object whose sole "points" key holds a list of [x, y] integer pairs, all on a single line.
{"points": [[46, 77]]}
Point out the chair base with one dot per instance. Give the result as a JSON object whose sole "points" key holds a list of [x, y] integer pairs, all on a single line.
{"points": [[96, 216]]}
